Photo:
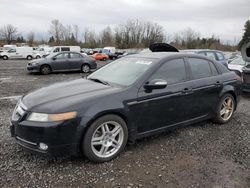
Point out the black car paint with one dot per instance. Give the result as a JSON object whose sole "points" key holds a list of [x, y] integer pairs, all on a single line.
{"points": [[144, 112], [70, 64]]}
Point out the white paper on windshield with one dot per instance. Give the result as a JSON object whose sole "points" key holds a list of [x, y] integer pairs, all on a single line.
{"points": [[144, 62]]}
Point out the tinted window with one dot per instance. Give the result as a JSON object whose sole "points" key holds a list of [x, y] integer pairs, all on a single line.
{"points": [[200, 68], [75, 56], [213, 68], [62, 56], [211, 55], [56, 50], [220, 56], [172, 71], [65, 49]]}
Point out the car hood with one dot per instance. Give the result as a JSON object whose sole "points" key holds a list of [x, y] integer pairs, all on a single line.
{"points": [[235, 67], [58, 97], [42, 60]]}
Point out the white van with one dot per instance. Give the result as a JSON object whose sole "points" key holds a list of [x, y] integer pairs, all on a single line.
{"points": [[110, 49], [56, 49], [41, 52], [18, 53], [8, 47]]}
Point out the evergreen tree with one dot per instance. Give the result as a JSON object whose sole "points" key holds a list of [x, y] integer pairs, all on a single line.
{"points": [[246, 35]]}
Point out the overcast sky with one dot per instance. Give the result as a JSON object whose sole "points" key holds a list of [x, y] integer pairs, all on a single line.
{"points": [[223, 18]]}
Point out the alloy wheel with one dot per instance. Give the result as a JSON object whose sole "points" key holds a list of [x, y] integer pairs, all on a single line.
{"points": [[85, 68], [227, 108], [107, 139]]}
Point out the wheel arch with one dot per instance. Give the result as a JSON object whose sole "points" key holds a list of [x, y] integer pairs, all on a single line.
{"points": [[85, 125], [229, 90]]}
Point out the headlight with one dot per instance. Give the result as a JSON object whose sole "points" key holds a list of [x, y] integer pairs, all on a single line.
{"points": [[41, 117]]}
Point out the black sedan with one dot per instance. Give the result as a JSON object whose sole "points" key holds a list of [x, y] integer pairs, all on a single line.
{"points": [[62, 61], [130, 98]]}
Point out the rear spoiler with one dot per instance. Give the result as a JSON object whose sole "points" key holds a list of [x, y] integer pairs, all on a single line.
{"points": [[162, 47], [245, 52]]}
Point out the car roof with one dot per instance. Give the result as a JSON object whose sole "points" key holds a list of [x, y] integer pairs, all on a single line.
{"points": [[163, 55], [199, 50]]}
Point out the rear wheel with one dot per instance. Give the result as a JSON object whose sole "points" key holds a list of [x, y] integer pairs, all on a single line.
{"points": [[5, 57], [105, 138], [85, 68], [29, 57], [225, 109], [45, 69]]}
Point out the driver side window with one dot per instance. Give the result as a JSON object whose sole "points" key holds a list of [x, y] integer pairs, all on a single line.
{"points": [[173, 72], [62, 56]]}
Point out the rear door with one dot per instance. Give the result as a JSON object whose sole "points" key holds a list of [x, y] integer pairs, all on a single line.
{"points": [[206, 85], [60, 61], [75, 61]]}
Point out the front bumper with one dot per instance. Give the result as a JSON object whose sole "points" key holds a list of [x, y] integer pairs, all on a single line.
{"points": [[60, 137], [33, 68]]}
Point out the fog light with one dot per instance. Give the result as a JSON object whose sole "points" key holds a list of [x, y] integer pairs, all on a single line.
{"points": [[43, 146]]}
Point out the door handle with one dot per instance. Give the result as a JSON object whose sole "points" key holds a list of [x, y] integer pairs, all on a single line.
{"points": [[217, 84], [187, 91]]}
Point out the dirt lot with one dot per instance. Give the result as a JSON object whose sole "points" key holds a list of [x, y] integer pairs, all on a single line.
{"points": [[201, 155]]}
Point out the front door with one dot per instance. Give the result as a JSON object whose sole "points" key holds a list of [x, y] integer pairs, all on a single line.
{"points": [[162, 108]]}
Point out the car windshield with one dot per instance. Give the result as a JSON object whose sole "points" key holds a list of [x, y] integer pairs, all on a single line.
{"points": [[51, 55], [238, 61], [122, 72]]}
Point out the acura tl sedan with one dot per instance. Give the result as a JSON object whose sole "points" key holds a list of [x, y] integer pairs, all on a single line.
{"points": [[130, 98], [62, 61]]}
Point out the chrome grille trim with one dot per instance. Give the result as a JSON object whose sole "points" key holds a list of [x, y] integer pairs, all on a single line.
{"points": [[26, 141]]}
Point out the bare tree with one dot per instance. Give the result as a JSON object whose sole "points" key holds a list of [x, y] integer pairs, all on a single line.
{"points": [[56, 30], [76, 32], [8, 33], [30, 38], [106, 37]]}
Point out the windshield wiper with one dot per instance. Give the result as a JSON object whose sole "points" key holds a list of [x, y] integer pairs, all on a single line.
{"points": [[98, 80]]}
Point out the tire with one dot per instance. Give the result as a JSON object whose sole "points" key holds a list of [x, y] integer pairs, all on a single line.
{"points": [[104, 59], [112, 133], [38, 57], [225, 109], [85, 68], [45, 69], [5, 57], [29, 57]]}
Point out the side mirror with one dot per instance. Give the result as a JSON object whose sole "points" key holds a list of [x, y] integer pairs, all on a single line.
{"points": [[155, 84], [54, 58]]}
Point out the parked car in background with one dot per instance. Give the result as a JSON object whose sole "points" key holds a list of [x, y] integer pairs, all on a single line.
{"points": [[100, 56], [56, 49], [213, 54], [237, 64], [62, 61], [110, 51], [130, 98], [41, 52], [18, 53]]}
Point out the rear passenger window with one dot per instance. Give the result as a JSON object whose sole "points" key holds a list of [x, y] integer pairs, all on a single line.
{"points": [[220, 56], [211, 55], [65, 49], [172, 71], [213, 69], [200, 68], [75, 56]]}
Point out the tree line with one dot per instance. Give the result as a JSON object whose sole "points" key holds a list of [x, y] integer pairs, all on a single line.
{"points": [[132, 34]]}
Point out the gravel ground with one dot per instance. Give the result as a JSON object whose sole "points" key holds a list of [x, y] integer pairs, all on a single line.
{"points": [[201, 155]]}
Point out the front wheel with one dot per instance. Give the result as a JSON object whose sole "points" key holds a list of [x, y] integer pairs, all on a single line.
{"points": [[45, 69], [225, 109], [105, 138]]}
